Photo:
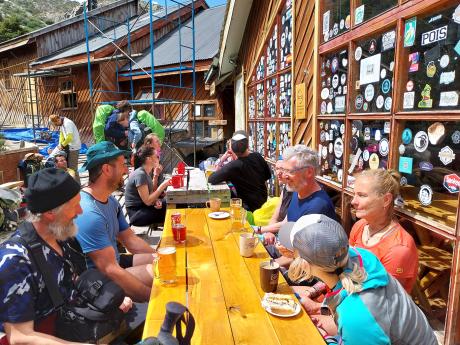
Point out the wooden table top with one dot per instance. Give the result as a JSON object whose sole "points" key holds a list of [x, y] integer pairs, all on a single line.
{"points": [[222, 290]]}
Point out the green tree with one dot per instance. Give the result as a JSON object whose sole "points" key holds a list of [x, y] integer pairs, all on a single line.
{"points": [[10, 28]]}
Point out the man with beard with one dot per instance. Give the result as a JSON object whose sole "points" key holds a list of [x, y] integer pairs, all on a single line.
{"points": [[103, 224], [26, 310]]}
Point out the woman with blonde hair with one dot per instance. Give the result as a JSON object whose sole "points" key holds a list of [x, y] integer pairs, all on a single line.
{"points": [[367, 304], [378, 230]]}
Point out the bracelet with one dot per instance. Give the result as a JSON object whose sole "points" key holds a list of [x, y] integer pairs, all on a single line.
{"points": [[259, 229]]}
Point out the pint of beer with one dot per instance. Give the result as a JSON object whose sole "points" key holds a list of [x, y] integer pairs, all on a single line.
{"points": [[166, 265]]}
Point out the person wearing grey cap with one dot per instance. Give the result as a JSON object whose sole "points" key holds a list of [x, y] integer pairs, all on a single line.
{"points": [[368, 305], [248, 173]]}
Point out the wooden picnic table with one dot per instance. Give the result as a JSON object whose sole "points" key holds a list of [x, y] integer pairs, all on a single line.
{"points": [[222, 289]]}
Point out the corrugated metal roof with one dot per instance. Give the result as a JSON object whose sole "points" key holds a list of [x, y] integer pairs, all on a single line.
{"points": [[208, 25], [98, 41]]}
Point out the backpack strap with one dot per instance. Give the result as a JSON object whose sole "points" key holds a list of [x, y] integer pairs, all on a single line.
{"points": [[29, 239], [189, 321]]}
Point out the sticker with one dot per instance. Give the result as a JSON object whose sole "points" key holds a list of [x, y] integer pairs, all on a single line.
{"points": [[409, 31], [331, 93], [360, 163], [340, 175], [335, 80], [343, 79], [321, 124], [358, 53], [347, 22], [456, 137], [410, 85], [338, 162], [377, 135], [388, 40], [405, 165], [408, 100], [436, 133], [447, 77], [372, 46], [392, 66], [334, 65], [324, 152], [345, 89], [435, 18], [330, 147], [435, 35], [324, 93], [329, 107], [383, 147], [354, 160], [426, 101], [374, 161], [373, 148], [366, 155], [323, 107], [430, 69], [388, 102], [403, 181], [452, 183], [402, 149], [369, 71], [425, 166], [342, 128], [444, 61], [322, 136], [365, 106], [327, 136], [379, 102], [357, 85], [342, 24], [326, 36], [359, 14], [406, 136], [367, 133], [448, 99], [446, 155], [336, 29], [414, 58], [421, 141], [383, 73], [326, 21], [344, 62], [354, 144], [386, 86], [456, 15], [432, 54], [359, 102], [338, 147], [387, 127], [369, 92], [457, 47], [425, 195], [340, 104], [339, 90]]}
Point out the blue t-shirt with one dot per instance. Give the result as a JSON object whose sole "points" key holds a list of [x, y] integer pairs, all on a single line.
{"points": [[317, 203], [99, 225], [23, 294]]}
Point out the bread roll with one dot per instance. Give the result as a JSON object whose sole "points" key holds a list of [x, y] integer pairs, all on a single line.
{"points": [[280, 304]]}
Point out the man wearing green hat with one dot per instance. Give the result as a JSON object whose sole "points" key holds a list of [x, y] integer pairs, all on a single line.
{"points": [[103, 224]]}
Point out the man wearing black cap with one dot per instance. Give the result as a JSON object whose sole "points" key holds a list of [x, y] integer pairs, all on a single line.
{"points": [[26, 311], [248, 173], [103, 224]]}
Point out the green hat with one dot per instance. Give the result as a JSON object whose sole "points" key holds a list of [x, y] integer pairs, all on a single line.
{"points": [[101, 153]]}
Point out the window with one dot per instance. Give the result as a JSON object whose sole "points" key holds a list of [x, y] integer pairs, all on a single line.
{"points": [[331, 149], [68, 94], [334, 77], [5, 74], [335, 18], [205, 110], [367, 9]]}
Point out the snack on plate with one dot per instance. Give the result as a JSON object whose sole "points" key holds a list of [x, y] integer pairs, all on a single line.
{"points": [[279, 304]]}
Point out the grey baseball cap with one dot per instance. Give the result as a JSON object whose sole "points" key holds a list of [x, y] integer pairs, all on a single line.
{"points": [[319, 239]]}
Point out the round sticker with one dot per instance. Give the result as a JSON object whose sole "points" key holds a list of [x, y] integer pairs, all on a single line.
{"points": [[379, 102], [421, 141], [322, 136], [338, 147], [342, 128], [347, 22], [425, 195], [335, 65], [365, 106], [367, 133], [344, 62], [383, 147], [340, 175], [329, 108], [406, 136], [358, 53], [430, 69], [374, 161], [335, 80], [444, 62], [392, 66], [339, 90], [369, 92], [323, 107], [324, 93], [403, 181], [359, 102], [456, 137], [402, 149], [383, 73], [324, 152], [342, 24], [336, 28], [410, 85], [366, 155], [388, 103], [372, 46], [386, 86], [330, 147], [343, 79]]}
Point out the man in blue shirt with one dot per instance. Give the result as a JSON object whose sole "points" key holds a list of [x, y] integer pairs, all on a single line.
{"points": [[102, 225]]}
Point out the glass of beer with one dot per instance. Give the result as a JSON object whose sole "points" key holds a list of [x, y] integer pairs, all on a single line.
{"points": [[166, 265]]}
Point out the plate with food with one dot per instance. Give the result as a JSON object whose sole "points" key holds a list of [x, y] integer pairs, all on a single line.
{"points": [[219, 215], [281, 305]]}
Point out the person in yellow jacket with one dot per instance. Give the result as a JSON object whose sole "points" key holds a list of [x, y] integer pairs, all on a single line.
{"points": [[69, 140]]}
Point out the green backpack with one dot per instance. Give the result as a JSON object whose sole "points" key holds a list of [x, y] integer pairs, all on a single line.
{"points": [[100, 119], [150, 121]]}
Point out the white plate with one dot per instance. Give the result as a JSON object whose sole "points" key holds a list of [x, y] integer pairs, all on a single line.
{"points": [[294, 313], [219, 215]]}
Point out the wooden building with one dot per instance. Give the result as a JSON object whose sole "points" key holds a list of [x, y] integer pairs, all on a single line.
{"points": [[373, 85]]}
